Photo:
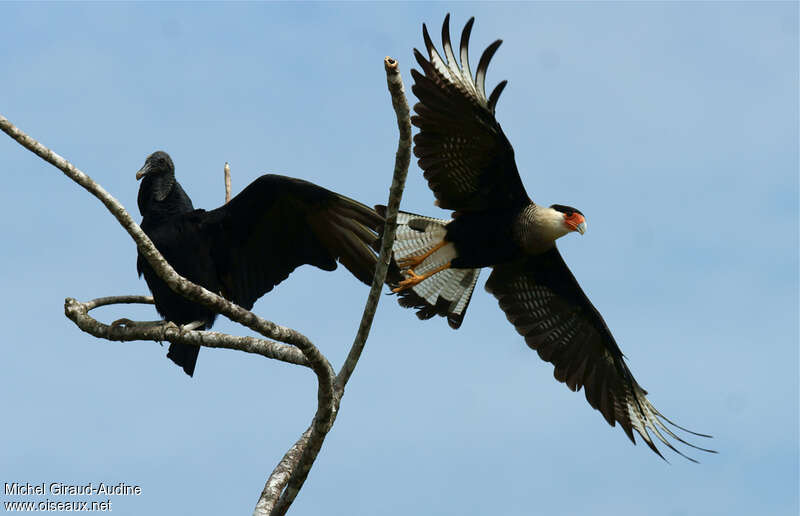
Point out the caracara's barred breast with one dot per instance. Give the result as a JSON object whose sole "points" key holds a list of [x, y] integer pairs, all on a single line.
{"points": [[530, 232]]}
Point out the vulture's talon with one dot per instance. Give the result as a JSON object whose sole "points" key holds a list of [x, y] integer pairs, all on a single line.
{"points": [[121, 323], [169, 325]]}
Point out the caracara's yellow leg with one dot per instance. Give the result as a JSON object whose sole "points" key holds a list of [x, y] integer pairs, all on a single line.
{"points": [[409, 262], [415, 279]]}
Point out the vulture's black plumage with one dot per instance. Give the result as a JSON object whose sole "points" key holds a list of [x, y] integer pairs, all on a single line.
{"points": [[247, 246], [469, 164]]}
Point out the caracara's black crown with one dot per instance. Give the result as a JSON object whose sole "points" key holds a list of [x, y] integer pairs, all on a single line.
{"points": [[566, 209]]}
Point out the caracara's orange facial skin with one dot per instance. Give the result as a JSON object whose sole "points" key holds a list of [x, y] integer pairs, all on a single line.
{"points": [[574, 220]]}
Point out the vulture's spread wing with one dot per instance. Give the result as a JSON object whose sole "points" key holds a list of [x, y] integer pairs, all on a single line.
{"points": [[544, 302], [277, 224], [468, 161]]}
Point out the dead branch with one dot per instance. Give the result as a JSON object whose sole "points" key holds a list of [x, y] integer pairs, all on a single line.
{"points": [[300, 458], [78, 313], [401, 162], [227, 182]]}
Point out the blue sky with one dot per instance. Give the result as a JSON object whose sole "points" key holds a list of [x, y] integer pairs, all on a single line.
{"points": [[672, 126]]}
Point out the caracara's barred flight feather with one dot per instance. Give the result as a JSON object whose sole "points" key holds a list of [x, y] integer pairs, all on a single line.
{"points": [[247, 246], [469, 165]]}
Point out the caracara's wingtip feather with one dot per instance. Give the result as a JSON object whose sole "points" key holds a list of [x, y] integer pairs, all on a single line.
{"points": [[464, 54], [448, 48], [496, 95], [435, 59], [483, 66]]}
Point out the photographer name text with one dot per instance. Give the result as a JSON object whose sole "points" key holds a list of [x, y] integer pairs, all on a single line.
{"points": [[62, 489]]}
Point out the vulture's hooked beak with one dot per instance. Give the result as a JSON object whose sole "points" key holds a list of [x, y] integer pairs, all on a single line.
{"points": [[581, 228], [143, 171]]}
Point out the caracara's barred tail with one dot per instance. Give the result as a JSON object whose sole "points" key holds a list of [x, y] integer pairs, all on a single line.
{"points": [[446, 293]]}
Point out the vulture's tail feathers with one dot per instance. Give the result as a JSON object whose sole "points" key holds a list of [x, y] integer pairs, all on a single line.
{"points": [[185, 356], [446, 293]]}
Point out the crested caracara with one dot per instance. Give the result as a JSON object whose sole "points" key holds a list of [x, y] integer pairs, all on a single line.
{"points": [[469, 164]]}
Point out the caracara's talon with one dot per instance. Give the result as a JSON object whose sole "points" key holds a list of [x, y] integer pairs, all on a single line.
{"points": [[415, 279], [409, 262], [406, 263], [412, 279]]}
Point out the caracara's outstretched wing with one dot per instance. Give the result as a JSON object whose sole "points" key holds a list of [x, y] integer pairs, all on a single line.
{"points": [[544, 302], [277, 224], [468, 161]]}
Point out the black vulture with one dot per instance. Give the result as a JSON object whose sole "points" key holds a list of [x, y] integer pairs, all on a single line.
{"points": [[469, 165], [244, 248]]}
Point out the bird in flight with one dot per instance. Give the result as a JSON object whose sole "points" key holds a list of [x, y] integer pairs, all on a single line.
{"points": [[250, 244], [469, 165]]}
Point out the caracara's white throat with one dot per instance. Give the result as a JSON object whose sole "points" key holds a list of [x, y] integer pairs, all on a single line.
{"points": [[538, 227]]}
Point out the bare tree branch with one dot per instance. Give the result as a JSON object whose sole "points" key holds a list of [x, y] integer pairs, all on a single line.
{"points": [[280, 476], [310, 442], [401, 162], [162, 331], [227, 182]]}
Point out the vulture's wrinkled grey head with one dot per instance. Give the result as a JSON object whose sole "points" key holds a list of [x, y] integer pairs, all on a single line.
{"points": [[158, 180], [158, 162]]}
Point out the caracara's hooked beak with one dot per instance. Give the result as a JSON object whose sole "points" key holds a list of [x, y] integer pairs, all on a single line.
{"points": [[143, 171], [576, 222]]}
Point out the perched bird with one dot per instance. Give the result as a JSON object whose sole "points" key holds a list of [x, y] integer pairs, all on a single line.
{"points": [[247, 246], [469, 164]]}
